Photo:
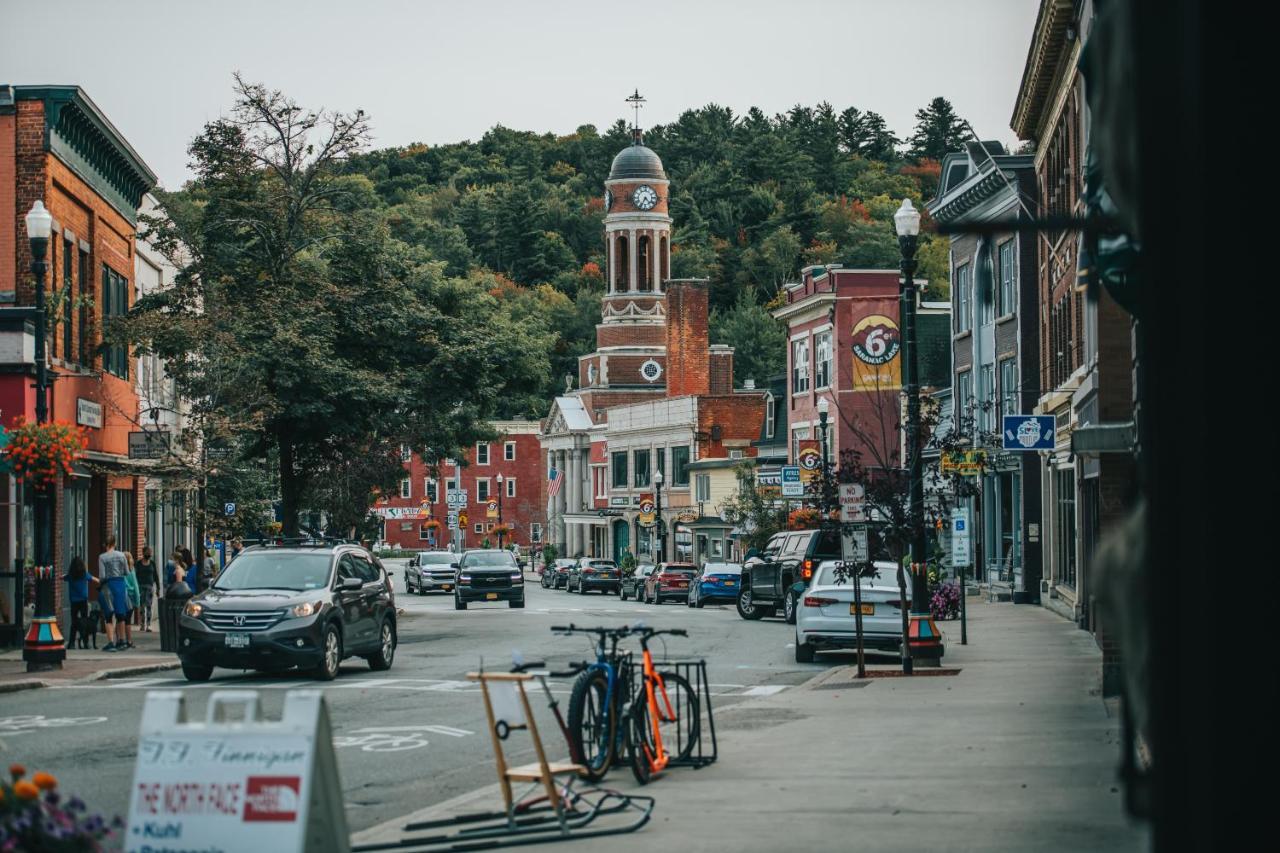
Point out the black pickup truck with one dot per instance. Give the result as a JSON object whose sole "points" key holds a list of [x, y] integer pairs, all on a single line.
{"points": [[770, 579]]}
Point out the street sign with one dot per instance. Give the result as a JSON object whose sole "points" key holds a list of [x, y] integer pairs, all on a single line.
{"points": [[647, 509], [149, 444], [792, 487], [1028, 432], [853, 507], [452, 519], [960, 537], [855, 546], [810, 459], [229, 508], [769, 476], [234, 780], [456, 497], [462, 520], [491, 509], [967, 463]]}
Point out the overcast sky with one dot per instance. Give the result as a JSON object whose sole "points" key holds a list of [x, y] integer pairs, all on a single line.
{"points": [[440, 72]]}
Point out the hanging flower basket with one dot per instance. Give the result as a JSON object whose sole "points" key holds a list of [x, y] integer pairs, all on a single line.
{"points": [[432, 524], [501, 530], [41, 453]]}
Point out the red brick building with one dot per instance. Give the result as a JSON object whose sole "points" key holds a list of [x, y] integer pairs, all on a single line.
{"points": [[58, 147], [510, 466]]}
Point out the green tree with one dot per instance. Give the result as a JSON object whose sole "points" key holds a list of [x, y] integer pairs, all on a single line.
{"points": [[758, 511], [759, 341], [938, 132]]}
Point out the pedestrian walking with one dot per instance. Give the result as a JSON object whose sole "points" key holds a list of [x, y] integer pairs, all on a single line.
{"points": [[112, 569], [131, 590], [193, 571], [77, 580], [148, 583]]}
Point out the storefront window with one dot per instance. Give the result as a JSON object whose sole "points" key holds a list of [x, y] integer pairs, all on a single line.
{"points": [[680, 466], [1065, 481]]}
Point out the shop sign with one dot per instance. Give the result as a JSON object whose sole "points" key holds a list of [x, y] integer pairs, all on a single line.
{"points": [[88, 413]]}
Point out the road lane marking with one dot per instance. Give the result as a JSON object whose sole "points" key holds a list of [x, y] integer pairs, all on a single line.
{"points": [[451, 731], [764, 690], [25, 723]]}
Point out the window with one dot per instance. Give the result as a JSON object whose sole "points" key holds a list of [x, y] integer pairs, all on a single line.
{"points": [[482, 489], [1009, 387], [986, 287], [735, 454], [115, 303], [511, 487], [702, 487], [122, 522], [620, 470], [799, 366], [82, 346], [535, 532], [600, 477], [1066, 527], [68, 298], [406, 490], [964, 395], [482, 453], [509, 451], [987, 397], [430, 489], [1007, 272], [477, 528], [770, 416], [661, 453], [426, 534], [964, 316], [798, 435], [405, 454], [641, 469], [680, 466], [822, 360]]}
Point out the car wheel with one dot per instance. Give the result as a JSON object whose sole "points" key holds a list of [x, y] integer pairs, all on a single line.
{"points": [[804, 651], [701, 604], [196, 673], [330, 654], [622, 593], [381, 659], [747, 608], [582, 590], [458, 603], [789, 608], [515, 604]]}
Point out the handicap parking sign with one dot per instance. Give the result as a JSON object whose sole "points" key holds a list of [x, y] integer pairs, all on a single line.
{"points": [[1028, 432]]}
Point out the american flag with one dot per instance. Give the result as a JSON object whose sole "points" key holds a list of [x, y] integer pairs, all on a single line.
{"points": [[554, 480]]}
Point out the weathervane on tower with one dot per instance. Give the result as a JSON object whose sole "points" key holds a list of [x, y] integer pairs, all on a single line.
{"points": [[636, 100]]}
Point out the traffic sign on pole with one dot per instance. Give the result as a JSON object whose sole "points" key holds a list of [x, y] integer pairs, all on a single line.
{"points": [[853, 507], [960, 537]]}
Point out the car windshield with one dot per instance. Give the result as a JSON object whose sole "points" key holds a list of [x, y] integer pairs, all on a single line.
{"points": [[276, 570], [474, 559], [436, 559], [677, 570], [601, 564], [722, 569]]}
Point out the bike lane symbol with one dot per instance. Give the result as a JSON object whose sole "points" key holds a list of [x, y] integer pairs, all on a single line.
{"points": [[394, 738]]}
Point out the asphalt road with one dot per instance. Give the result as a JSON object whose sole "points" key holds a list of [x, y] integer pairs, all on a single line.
{"points": [[411, 736]]}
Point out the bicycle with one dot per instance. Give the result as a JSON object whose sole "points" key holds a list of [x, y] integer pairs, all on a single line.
{"points": [[600, 695], [657, 715]]}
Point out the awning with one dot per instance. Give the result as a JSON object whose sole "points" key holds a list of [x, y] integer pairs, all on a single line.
{"points": [[583, 518]]}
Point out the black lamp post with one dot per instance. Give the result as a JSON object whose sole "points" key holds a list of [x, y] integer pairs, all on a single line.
{"points": [[657, 508], [43, 648], [500, 482], [824, 407], [907, 224]]}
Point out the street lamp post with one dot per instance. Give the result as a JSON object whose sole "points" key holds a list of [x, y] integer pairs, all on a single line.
{"points": [[657, 508], [824, 407], [500, 482], [43, 648], [907, 224]]}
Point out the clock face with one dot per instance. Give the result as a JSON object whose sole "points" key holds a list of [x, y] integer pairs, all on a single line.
{"points": [[608, 200], [645, 197], [651, 370]]}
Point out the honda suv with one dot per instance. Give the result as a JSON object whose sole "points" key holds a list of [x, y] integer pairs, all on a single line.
{"points": [[276, 607], [489, 575]]}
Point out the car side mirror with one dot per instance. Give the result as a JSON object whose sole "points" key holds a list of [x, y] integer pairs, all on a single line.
{"points": [[352, 583], [455, 565]]}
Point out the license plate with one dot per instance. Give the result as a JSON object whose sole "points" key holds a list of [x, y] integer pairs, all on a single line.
{"points": [[237, 641], [491, 596], [730, 583], [682, 584], [867, 609], [447, 587]]}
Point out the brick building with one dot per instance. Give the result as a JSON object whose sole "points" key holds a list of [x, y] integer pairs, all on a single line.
{"points": [[655, 396], [510, 466], [58, 147]]}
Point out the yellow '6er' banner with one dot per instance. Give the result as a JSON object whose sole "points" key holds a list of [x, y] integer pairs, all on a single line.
{"points": [[877, 350]]}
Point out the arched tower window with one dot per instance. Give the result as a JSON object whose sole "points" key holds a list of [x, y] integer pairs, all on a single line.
{"points": [[644, 263], [664, 259], [621, 272]]}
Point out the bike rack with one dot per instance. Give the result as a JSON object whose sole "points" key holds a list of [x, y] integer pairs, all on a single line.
{"points": [[695, 672]]}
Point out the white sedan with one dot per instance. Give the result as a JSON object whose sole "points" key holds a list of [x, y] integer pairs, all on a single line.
{"points": [[824, 619]]}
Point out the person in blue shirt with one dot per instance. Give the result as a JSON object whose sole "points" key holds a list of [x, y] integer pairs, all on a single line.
{"points": [[77, 580], [193, 571]]}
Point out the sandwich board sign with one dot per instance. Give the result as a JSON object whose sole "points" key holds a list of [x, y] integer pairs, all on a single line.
{"points": [[235, 781]]}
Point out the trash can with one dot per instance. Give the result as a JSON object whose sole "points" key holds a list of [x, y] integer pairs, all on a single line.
{"points": [[175, 598]]}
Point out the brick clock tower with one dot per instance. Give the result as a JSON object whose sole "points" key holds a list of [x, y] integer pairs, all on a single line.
{"points": [[629, 363]]}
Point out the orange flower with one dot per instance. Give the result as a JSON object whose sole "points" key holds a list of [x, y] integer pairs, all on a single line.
{"points": [[25, 790], [44, 781], [17, 771]]}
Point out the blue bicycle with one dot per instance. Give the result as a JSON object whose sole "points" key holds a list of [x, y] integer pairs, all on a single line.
{"points": [[600, 695]]}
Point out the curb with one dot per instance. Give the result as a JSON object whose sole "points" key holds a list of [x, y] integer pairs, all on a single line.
{"points": [[25, 684], [129, 671]]}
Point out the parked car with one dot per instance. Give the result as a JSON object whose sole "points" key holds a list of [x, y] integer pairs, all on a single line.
{"points": [[769, 580], [559, 573], [825, 618], [429, 571], [632, 585], [488, 575], [273, 608], [716, 582], [669, 581], [594, 573]]}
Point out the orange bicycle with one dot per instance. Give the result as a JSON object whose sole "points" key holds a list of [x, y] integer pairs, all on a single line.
{"points": [[665, 714]]}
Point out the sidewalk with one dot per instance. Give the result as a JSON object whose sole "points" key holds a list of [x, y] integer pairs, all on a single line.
{"points": [[89, 664], [1016, 752]]}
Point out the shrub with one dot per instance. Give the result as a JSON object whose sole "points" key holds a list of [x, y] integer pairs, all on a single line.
{"points": [[945, 601]]}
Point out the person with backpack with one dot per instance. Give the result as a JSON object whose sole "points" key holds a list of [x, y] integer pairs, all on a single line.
{"points": [[77, 580]]}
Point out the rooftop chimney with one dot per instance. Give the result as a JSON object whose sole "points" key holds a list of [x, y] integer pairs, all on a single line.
{"points": [[688, 342]]}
